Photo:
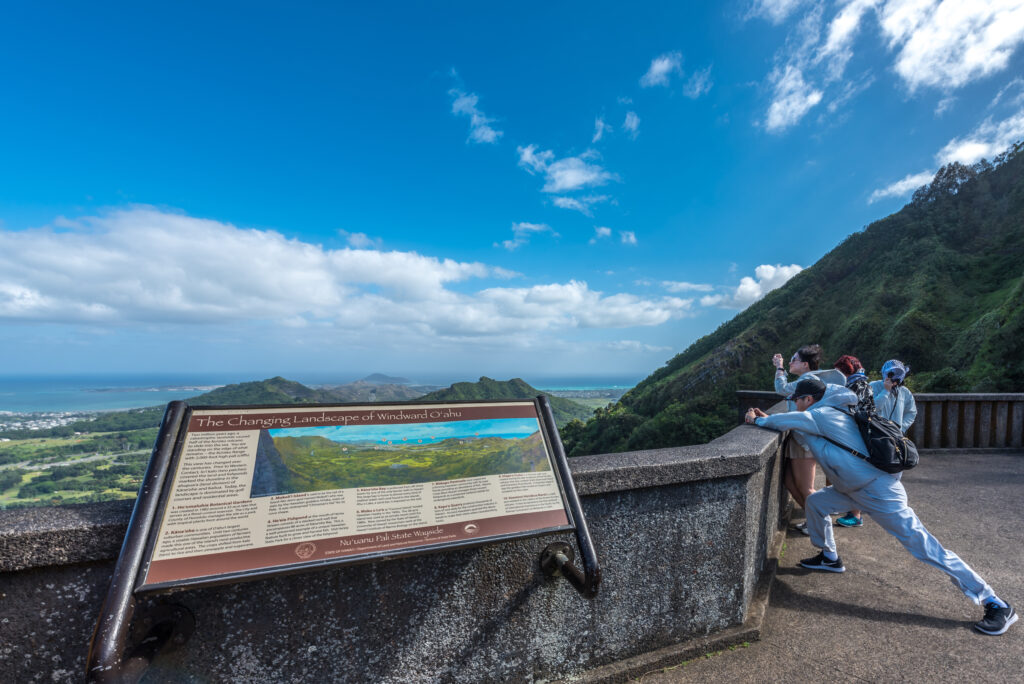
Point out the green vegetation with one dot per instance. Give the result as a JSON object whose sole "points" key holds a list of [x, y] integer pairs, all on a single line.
{"points": [[938, 284], [564, 410], [43, 472], [100, 450], [317, 463]]}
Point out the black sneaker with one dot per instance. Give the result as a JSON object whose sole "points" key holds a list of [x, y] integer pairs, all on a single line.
{"points": [[819, 562], [997, 619]]}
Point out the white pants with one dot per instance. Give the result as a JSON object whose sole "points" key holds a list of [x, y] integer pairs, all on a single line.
{"points": [[885, 500]]}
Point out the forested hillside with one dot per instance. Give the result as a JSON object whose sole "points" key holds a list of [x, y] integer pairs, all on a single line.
{"points": [[563, 409], [938, 285]]}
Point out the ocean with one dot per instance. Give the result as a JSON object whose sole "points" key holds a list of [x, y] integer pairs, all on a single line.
{"points": [[112, 392]]}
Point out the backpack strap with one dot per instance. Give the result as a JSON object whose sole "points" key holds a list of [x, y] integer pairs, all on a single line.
{"points": [[843, 446]]}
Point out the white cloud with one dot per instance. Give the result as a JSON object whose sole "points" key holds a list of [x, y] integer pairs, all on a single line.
{"points": [[586, 308], [946, 44], [360, 240], [775, 11], [628, 237], [564, 175], [600, 233], [943, 44], [1016, 100], [850, 90], [521, 233], [636, 346], [661, 68], [632, 124], [580, 204], [986, 141], [211, 274], [902, 187], [698, 83], [944, 105], [679, 286], [837, 50], [480, 129], [533, 161], [600, 128], [766, 278], [793, 98]]}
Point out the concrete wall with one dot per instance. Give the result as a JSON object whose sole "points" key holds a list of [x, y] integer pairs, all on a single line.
{"points": [[682, 535]]}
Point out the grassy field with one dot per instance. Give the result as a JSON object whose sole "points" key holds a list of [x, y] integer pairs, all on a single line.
{"points": [[77, 469]]}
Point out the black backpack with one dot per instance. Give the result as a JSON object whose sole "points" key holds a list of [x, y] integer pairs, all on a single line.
{"points": [[888, 448]]}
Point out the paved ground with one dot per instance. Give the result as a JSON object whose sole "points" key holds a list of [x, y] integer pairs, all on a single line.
{"points": [[889, 617]]}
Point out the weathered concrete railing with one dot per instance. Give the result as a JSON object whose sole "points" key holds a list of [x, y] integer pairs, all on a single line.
{"points": [[684, 537], [968, 421], [946, 421]]}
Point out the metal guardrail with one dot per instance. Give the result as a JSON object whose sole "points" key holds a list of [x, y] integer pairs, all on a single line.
{"points": [[946, 421]]}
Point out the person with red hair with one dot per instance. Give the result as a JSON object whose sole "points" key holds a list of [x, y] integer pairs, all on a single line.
{"points": [[857, 381]]}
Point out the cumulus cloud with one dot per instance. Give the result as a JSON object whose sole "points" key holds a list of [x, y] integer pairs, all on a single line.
{"points": [[480, 129], [986, 141], [946, 44], [600, 233], [563, 175], [521, 233], [580, 204], [904, 186], [600, 128], [766, 278], [102, 273], [628, 237], [680, 286], [662, 67]]}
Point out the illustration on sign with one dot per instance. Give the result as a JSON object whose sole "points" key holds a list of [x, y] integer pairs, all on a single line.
{"points": [[262, 489]]}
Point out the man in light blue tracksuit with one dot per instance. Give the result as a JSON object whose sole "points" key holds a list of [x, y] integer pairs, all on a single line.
{"points": [[822, 411]]}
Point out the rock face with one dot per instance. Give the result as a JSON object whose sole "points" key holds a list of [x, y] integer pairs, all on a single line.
{"points": [[270, 472]]}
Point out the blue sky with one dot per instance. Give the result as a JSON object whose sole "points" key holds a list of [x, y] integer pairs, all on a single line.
{"points": [[453, 189], [509, 428]]}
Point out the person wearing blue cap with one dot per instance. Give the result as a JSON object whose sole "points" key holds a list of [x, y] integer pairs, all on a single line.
{"points": [[822, 417]]}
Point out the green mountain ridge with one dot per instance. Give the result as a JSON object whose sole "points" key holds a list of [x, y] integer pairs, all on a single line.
{"points": [[564, 410], [939, 285]]}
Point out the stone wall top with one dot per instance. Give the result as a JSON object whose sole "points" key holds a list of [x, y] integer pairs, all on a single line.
{"points": [[62, 535]]}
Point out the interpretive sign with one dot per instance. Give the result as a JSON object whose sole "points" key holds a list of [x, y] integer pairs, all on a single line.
{"points": [[259, 491]]}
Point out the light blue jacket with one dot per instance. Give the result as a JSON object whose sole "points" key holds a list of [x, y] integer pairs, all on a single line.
{"points": [[829, 376], [847, 472], [901, 409]]}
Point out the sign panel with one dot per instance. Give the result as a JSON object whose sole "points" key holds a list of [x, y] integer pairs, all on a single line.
{"points": [[258, 491]]}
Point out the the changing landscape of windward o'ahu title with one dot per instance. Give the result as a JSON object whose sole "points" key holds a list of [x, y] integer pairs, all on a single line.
{"points": [[262, 489]]}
